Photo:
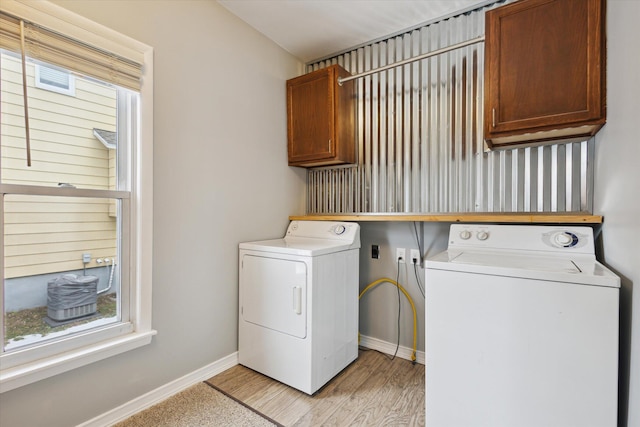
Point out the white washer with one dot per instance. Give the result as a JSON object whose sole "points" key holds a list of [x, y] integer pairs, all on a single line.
{"points": [[298, 319], [521, 329]]}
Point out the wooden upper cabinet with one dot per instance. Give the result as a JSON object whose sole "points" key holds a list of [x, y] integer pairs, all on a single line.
{"points": [[320, 119], [544, 72]]}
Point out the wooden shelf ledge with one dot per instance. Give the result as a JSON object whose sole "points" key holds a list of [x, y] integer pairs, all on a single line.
{"points": [[495, 217]]}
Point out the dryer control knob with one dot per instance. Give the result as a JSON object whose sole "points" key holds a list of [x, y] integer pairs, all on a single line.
{"points": [[465, 234], [565, 239], [339, 229], [482, 235]]}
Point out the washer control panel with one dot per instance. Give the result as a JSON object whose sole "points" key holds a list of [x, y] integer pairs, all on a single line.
{"points": [[522, 237], [565, 239], [468, 234]]}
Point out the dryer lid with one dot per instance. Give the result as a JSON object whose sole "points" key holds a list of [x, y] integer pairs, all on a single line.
{"points": [[311, 238], [300, 246]]}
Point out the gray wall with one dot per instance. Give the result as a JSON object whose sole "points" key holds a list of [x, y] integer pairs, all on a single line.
{"points": [[221, 177], [379, 306], [617, 181]]}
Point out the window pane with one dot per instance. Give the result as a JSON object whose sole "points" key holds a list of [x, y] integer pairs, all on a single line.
{"points": [[61, 268], [72, 133]]}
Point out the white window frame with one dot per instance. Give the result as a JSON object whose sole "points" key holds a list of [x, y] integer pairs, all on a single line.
{"points": [[39, 83], [40, 362]]}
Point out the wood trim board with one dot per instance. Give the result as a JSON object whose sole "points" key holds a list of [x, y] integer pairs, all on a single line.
{"points": [[489, 217]]}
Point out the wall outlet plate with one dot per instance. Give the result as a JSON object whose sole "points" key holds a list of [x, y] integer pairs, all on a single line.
{"points": [[415, 255], [401, 254], [375, 251]]}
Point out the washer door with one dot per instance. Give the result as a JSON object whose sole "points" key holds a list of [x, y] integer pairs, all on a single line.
{"points": [[273, 294]]}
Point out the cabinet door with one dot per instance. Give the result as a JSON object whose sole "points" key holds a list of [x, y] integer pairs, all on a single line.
{"points": [[311, 117], [544, 70], [320, 118]]}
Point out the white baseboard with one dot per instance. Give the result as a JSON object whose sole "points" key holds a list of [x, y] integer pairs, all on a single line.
{"points": [[161, 393], [390, 348]]}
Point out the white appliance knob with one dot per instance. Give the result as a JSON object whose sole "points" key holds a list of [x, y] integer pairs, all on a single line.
{"points": [[563, 239], [465, 234], [482, 235], [339, 229]]}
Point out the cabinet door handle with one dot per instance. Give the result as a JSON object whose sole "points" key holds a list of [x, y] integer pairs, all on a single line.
{"points": [[493, 117], [329, 146]]}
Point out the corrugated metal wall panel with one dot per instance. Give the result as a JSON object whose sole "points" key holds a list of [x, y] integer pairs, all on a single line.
{"points": [[420, 141]]}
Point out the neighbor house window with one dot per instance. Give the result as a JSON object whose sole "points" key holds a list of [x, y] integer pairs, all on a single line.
{"points": [[55, 80], [75, 221]]}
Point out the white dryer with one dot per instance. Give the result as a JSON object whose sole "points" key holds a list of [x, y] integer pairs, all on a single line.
{"points": [[298, 303], [521, 329]]}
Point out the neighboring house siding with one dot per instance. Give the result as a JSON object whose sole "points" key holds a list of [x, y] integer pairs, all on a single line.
{"points": [[47, 234], [112, 180]]}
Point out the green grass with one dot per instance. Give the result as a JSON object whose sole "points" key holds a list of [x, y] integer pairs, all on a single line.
{"points": [[21, 323]]}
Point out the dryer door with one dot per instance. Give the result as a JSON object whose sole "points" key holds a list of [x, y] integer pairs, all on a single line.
{"points": [[273, 294]]}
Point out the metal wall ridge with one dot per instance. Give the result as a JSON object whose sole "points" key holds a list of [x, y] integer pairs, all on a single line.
{"points": [[420, 138]]}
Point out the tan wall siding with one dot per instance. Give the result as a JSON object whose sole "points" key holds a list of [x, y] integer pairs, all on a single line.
{"points": [[49, 234], [112, 181]]}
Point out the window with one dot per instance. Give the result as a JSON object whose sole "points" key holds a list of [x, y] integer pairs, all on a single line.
{"points": [[55, 80], [75, 218]]}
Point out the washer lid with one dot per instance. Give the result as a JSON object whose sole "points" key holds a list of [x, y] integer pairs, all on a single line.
{"points": [[579, 270], [300, 246], [516, 262]]}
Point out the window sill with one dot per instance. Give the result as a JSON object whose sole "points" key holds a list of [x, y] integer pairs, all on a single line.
{"points": [[28, 373]]}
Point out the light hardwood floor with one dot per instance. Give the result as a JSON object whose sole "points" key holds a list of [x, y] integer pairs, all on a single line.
{"points": [[372, 391]]}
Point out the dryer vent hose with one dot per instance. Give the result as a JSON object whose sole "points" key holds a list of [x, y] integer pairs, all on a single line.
{"points": [[415, 317]]}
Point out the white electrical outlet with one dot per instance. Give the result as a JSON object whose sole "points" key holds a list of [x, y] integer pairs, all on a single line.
{"points": [[414, 257], [401, 255]]}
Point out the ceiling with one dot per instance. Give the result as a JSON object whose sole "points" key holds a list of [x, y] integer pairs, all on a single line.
{"points": [[314, 29]]}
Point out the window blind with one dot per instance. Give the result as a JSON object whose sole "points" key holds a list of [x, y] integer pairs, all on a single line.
{"points": [[54, 48]]}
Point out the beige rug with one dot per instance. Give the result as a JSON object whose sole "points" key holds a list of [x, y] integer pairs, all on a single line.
{"points": [[199, 405]]}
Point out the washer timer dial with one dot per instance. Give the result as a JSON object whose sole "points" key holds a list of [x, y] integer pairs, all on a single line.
{"points": [[482, 235], [340, 229], [565, 239], [465, 234]]}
